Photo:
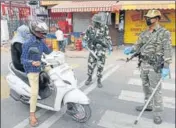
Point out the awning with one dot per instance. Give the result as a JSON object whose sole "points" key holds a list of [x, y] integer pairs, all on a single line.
{"points": [[83, 6], [142, 5]]}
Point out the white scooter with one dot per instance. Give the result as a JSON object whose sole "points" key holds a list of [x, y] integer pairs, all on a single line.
{"points": [[59, 90]]}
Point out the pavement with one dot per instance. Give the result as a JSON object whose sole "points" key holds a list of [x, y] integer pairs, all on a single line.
{"points": [[113, 106]]}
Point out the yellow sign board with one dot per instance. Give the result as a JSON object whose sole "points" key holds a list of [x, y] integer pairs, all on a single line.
{"points": [[117, 18], [135, 23], [47, 3]]}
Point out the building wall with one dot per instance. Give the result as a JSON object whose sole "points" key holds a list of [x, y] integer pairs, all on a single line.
{"points": [[81, 21]]}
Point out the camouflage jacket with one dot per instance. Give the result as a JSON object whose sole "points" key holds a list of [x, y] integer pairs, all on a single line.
{"points": [[158, 42], [98, 36]]}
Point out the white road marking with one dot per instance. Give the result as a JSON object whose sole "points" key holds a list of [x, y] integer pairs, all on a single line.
{"points": [[73, 66], [93, 86], [47, 123], [105, 69], [112, 119], [165, 85], [51, 120], [22, 124], [137, 72], [126, 95]]}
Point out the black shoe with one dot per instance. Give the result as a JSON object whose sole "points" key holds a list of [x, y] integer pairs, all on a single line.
{"points": [[139, 108], [157, 120], [89, 81], [99, 84]]}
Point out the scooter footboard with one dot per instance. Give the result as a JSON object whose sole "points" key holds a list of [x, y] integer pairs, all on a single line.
{"points": [[76, 96]]}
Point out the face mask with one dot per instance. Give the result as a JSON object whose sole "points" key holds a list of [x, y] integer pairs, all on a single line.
{"points": [[96, 25], [148, 22]]}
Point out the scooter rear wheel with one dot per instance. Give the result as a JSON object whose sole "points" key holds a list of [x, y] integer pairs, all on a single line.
{"points": [[79, 112]]}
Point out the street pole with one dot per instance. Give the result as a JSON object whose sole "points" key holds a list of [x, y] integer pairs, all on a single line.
{"points": [[10, 14], [39, 3], [31, 12]]}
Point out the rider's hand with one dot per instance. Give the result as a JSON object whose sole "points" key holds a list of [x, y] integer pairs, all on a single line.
{"points": [[128, 50], [36, 63]]}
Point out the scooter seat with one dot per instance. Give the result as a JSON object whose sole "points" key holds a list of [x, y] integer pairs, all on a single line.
{"points": [[21, 75]]}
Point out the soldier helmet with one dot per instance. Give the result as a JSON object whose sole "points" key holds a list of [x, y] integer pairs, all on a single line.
{"points": [[153, 13], [97, 18]]}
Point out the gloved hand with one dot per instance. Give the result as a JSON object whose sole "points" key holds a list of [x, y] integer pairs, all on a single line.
{"points": [[110, 51], [84, 44], [165, 72], [128, 50]]}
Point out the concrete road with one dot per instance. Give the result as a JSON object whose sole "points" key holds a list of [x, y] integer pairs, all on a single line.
{"points": [[113, 106]]}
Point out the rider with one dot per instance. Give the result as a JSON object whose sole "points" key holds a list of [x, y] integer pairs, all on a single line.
{"points": [[32, 62], [23, 33]]}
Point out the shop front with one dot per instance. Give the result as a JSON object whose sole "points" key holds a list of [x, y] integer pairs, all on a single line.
{"points": [[14, 15], [81, 21], [134, 22], [82, 12], [15, 11], [60, 19]]}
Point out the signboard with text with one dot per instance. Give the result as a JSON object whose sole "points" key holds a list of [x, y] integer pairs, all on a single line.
{"points": [[15, 12], [135, 23]]}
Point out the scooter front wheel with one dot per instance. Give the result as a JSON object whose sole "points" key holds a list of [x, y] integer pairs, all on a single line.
{"points": [[79, 112]]}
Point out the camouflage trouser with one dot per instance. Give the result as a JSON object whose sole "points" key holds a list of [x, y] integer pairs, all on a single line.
{"points": [[100, 61], [149, 80]]}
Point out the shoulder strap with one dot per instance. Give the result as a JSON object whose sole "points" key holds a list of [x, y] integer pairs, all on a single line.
{"points": [[148, 42]]}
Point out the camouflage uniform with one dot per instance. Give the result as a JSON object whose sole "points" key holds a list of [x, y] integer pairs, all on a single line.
{"points": [[97, 41], [157, 42]]}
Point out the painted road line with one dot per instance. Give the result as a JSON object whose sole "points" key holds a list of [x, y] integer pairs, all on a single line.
{"points": [[73, 66], [165, 85], [51, 120], [93, 86], [47, 123], [105, 69], [137, 72], [22, 124], [121, 120], [126, 95]]}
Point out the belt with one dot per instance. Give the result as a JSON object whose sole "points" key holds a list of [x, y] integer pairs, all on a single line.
{"points": [[147, 59]]}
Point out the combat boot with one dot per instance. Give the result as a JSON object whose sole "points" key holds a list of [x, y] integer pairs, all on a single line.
{"points": [[99, 84], [157, 119], [139, 108], [89, 81]]}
